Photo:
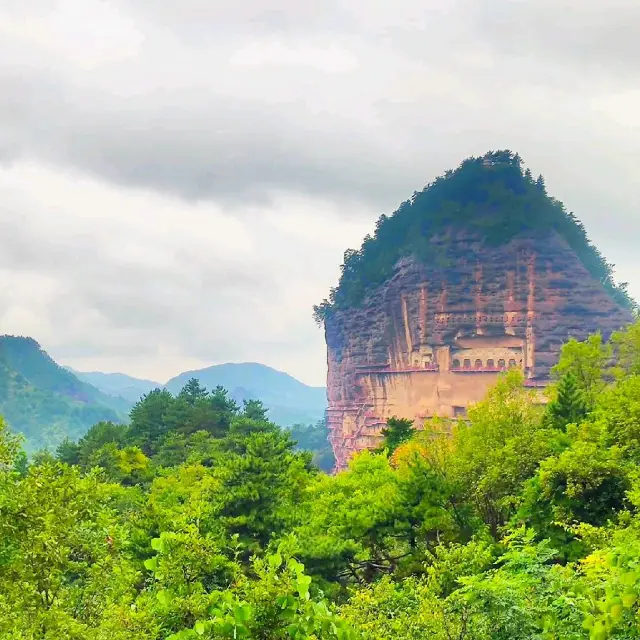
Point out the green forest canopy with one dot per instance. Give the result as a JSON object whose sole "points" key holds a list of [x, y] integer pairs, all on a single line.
{"points": [[199, 520], [493, 195]]}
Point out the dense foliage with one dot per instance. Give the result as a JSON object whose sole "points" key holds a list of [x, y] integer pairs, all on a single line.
{"points": [[201, 520], [492, 195]]}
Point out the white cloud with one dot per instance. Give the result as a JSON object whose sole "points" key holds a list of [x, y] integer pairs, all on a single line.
{"points": [[328, 58], [95, 29]]}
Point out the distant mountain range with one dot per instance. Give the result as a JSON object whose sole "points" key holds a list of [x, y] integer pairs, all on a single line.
{"points": [[289, 401], [118, 384], [47, 402]]}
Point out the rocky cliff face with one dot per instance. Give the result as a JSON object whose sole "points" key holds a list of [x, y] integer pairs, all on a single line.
{"points": [[431, 340]]}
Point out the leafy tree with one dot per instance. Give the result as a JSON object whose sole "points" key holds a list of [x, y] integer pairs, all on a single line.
{"points": [[588, 362], [224, 406], [433, 506], [520, 598], [181, 416], [57, 537], [626, 349], [9, 445], [355, 526], [569, 405], [262, 478], [68, 452], [101, 434], [520, 522], [21, 463], [397, 431], [585, 484], [128, 466], [617, 414], [609, 585], [499, 449], [147, 426], [415, 608], [278, 604], [173, 450], [315, 438]]}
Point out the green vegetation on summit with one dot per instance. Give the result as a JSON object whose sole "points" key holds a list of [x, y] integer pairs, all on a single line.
{"points": [[492, 196]]}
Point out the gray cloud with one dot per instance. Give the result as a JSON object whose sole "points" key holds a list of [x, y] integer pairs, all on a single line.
{"points": [[106, 302], [193, 144], [127, 281], [213, 17], [420, 86], [584, 34]]}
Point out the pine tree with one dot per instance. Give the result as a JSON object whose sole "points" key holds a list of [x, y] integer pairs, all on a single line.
{"points": [[570, 406], [193, 391], [254, 410], [398, 430]]}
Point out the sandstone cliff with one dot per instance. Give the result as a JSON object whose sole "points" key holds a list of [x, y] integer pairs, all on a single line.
{"points": [[434, 334]]}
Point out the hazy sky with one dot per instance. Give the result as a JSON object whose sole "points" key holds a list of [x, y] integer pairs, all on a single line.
{"points": [[180, 178]]}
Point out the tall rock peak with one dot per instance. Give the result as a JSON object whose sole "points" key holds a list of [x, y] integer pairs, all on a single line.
{"points": [[479, 272]]}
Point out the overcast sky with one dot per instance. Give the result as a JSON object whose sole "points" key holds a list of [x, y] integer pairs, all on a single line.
{"points": [[180, 178]]}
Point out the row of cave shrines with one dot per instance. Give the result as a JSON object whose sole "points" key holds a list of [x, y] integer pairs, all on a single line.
{"points": [[477, 365]]}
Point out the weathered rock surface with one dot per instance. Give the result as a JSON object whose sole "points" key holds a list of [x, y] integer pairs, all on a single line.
{"points": [[431, 340]]}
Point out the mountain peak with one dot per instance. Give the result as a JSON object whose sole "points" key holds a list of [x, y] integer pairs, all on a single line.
{"points": [[491, 199], [480, 272], [288, 400]]}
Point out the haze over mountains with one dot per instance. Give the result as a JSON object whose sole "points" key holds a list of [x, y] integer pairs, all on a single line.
{"points": [[47, 402], [289, 400], [117, 384]]}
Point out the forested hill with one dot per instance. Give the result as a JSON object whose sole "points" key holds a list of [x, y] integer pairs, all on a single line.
{"points": [[46, 402], [493, 197]]}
